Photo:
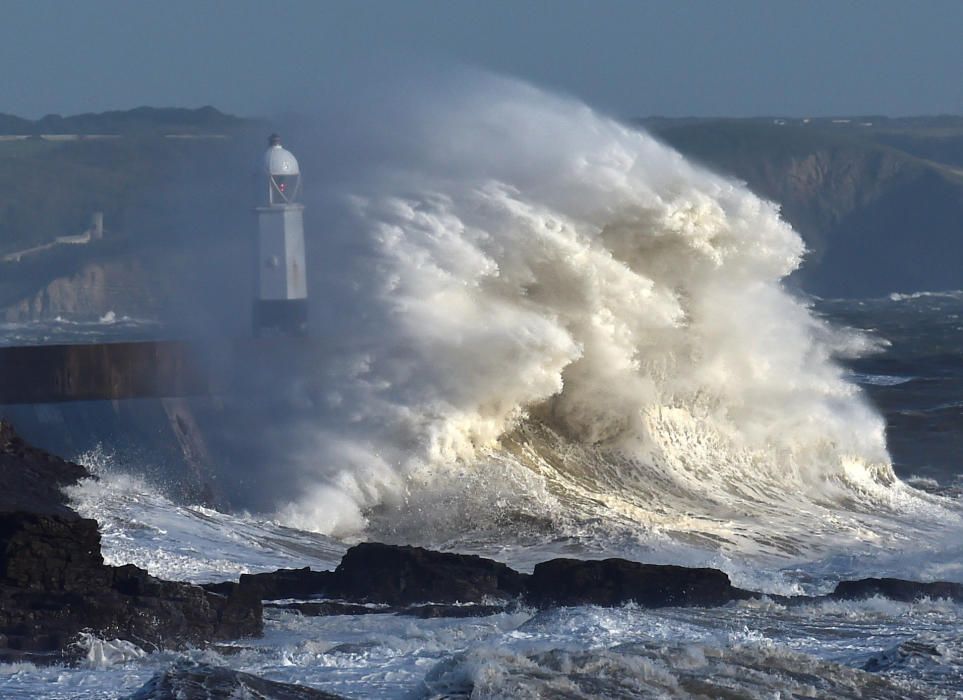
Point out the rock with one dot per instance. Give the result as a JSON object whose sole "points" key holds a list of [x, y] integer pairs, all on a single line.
{"points": [[53, 587], [277, 585], [897, 589], [399, 575], [287, 583], [406, 578], [912, 652], [617, 581], [33, 479], [54, 583], [422, 583], [188, 681], [45, 552], [390, 574], [353, 648]]}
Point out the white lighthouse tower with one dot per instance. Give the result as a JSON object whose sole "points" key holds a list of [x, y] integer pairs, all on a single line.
{"points": [[281, 304]]}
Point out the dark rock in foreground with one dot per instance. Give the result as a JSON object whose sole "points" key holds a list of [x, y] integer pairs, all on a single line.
{"points": [[202, 682], [32, 479], [403, 577], [392, 575], [422, 583], [283, 583], [609, 582], [54, 583], [897, 589], [396, 575]]}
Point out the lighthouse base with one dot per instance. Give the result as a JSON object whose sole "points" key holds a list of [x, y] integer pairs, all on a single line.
{"points": [[280, 316]]}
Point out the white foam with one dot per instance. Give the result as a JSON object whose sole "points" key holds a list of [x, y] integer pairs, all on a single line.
{"points": [[103, 653], [913, 296], [880, 379], [522, 265], [139, 525]]}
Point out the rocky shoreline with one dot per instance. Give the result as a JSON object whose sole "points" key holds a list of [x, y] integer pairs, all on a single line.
{"points": [[382, 578], [54, 584]]}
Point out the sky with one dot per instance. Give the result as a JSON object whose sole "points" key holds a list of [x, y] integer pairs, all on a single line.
{"points": [[631, 58]]}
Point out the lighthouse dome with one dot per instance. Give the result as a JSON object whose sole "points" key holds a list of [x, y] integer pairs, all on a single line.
{"points": [[280, 161]]}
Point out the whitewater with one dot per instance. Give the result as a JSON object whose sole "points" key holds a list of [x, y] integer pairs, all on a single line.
{"points": [[576, 335], [556, 336]]}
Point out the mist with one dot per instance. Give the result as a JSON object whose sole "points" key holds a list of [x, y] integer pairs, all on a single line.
{"points": [[523, 309]]}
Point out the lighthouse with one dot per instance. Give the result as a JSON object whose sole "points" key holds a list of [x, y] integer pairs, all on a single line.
{"points": [[281, 302]]}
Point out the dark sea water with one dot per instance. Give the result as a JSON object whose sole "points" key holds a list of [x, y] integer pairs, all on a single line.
{"points": [[869, 649], [915, 379]]}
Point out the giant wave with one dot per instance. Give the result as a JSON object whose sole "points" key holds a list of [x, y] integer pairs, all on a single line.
{"points": [[556, 329]]}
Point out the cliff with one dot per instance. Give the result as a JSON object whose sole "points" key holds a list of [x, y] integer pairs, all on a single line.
{"points": [[878, 201]]}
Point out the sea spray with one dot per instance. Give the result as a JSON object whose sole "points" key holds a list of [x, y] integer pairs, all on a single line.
{"points": [[550, 318]]}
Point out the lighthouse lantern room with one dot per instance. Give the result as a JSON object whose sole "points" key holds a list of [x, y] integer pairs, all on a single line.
{"points": [[280, 305]]}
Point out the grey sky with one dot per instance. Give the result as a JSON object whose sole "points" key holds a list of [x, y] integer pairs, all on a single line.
{"points": [[631, 58]]}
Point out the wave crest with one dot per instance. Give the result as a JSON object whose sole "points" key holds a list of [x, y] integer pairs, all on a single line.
{"points": [[529, 262]]}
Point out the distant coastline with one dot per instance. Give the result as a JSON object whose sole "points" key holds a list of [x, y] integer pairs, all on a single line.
{"points": [[878, 200]]}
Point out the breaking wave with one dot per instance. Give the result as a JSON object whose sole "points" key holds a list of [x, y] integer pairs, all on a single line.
{"points": [[559, 329]]}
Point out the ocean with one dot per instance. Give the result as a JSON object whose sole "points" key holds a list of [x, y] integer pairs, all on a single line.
{"points": [[559, 338]]}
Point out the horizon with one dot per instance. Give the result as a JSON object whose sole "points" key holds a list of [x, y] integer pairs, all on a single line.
{"points": [[680, 117]]}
